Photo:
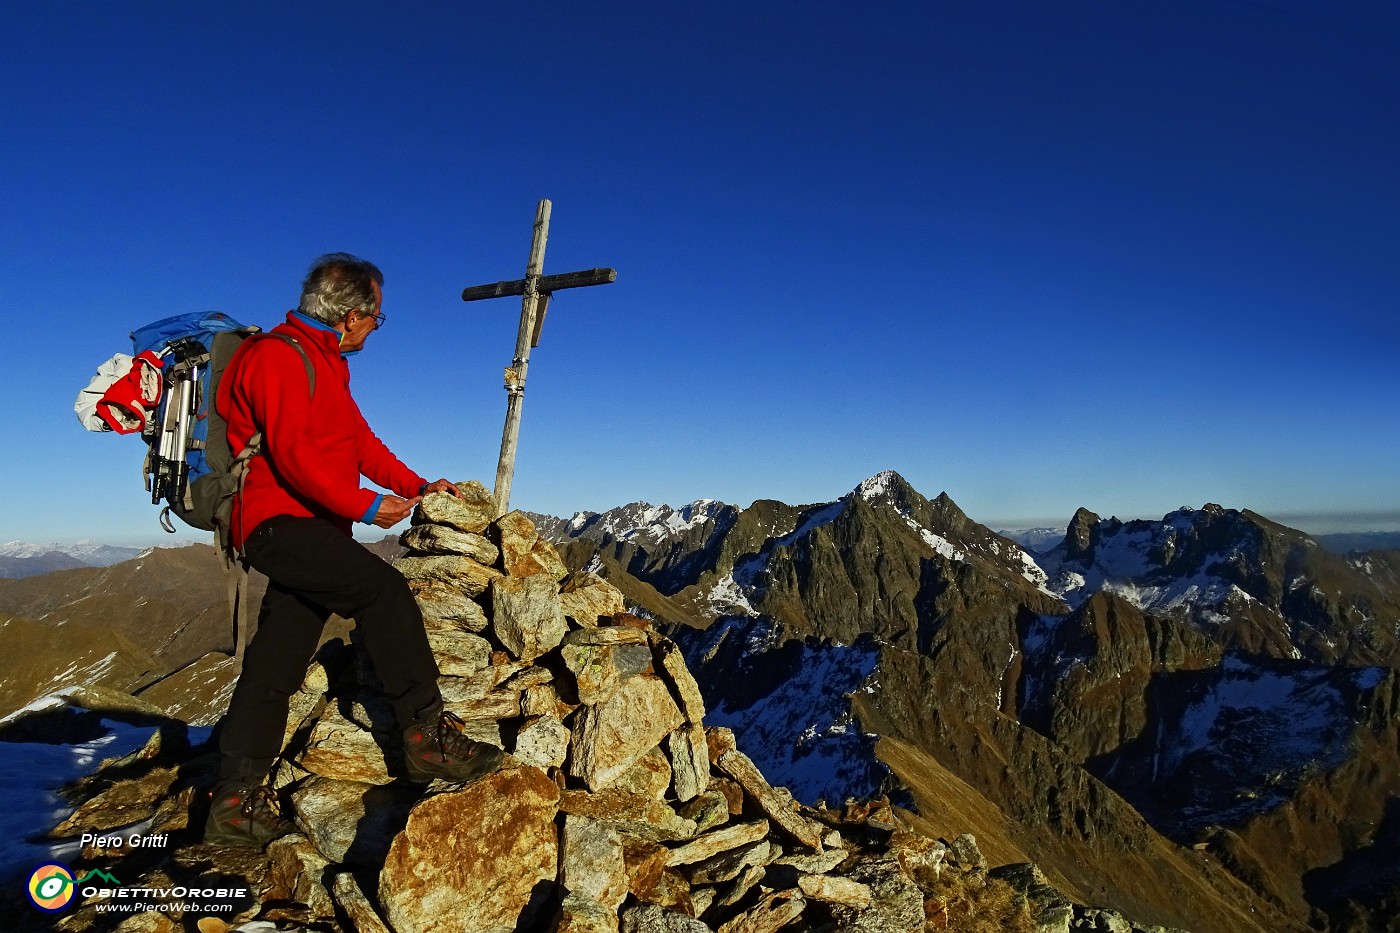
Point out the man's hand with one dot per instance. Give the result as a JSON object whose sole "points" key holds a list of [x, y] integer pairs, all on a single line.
{"points": [[393, 510], [442, 485]]}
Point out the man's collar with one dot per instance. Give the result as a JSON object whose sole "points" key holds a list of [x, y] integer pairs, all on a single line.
{"points": [[310, 321]]}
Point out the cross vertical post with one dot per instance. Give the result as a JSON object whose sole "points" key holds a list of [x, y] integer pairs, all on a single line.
{"points": [[535, 291], [519, 368]]}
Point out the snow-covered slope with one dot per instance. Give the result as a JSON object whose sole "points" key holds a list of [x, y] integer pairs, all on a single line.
{"points": [[788, 706]]}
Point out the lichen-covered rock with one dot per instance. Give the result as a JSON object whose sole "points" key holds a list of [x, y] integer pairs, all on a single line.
{"points": [[592, 862], [652, 918], [918, 853], [579, 913], [650, 776], [307, 700], [587, 597], [553, 566], [690, 761], [458, 652], [644, 817], [610, 737], [728, 865], [528, 620], [120, 804], [708, 810], [674, 670], [965, 852], [518, 537], [542, 742], [709, 845], [445, 604], [779, 808], [740, 887], [339, 748], [472, 511], [351, 823], [774, 912], [606, 635], [488, 846], [544, 700], [896, 906], [357, 907], [440, 539], [644, 862], [815, 863], [599, 669], [466, 575], [835, 890], [495, 705], [295, 872], [1092, 920]]}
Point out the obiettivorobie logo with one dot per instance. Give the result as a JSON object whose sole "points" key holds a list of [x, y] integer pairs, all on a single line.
{"points": [[51, 887]]}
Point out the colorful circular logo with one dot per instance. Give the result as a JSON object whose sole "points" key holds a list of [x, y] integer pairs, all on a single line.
{"points": [[51, 887]]}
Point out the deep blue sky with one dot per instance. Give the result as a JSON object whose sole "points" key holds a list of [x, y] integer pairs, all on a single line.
{"points": [[1122, 255]]}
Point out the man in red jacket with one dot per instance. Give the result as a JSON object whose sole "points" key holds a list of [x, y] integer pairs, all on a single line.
{"points": [[292, 522]]}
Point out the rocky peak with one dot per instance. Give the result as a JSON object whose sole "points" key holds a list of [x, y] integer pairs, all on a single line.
{"points": [[1252, 584], [887, 484], [1080, 536]]}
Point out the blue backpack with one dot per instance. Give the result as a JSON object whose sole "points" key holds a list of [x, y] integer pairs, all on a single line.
{"points": [[189, 465]]}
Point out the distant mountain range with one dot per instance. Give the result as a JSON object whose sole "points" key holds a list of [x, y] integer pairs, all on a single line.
{"points": [[23, 559]]}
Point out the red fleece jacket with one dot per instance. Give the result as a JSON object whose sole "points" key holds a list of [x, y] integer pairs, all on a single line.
{"points": [[315, 449]]}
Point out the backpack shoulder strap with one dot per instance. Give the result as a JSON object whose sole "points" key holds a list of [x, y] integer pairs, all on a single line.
{"points": [[296, 345], [235, 569]]}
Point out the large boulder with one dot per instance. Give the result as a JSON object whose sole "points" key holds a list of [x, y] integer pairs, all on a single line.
{"points": [[474, 860]]}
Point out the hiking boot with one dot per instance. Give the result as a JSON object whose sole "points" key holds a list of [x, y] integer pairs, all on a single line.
{"points": [[438, 749], [244, 815]]}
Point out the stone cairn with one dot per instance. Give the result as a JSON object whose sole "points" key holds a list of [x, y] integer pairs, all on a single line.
{"points": [[616, 810]]}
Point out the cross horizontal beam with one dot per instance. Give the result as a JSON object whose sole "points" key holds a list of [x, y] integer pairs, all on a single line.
{"points": [[547, 284]]}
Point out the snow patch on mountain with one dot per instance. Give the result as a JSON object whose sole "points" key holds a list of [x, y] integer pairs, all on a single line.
{"points": [[1267, 727], [643, 522], [748, 568], [32, 774], [1129, 561], [799, 730], [1041, 670], [940, 544], [877, 486], [1032, 572], [727, 597]]}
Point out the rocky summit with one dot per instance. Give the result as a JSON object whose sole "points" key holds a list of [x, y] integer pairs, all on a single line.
{"points": [[618, 808]]}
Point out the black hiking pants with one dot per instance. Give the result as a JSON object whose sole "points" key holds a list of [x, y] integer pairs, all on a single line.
{"points": [[313, 570]]}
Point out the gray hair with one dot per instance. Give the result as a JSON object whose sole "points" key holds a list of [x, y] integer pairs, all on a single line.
{"points": [[337, 284]]}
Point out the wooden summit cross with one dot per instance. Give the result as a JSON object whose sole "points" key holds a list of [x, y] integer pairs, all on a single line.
{"points": [[535, 289]]}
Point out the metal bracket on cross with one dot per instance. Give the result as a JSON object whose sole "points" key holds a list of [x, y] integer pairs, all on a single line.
{"points": [[535, 289]]}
